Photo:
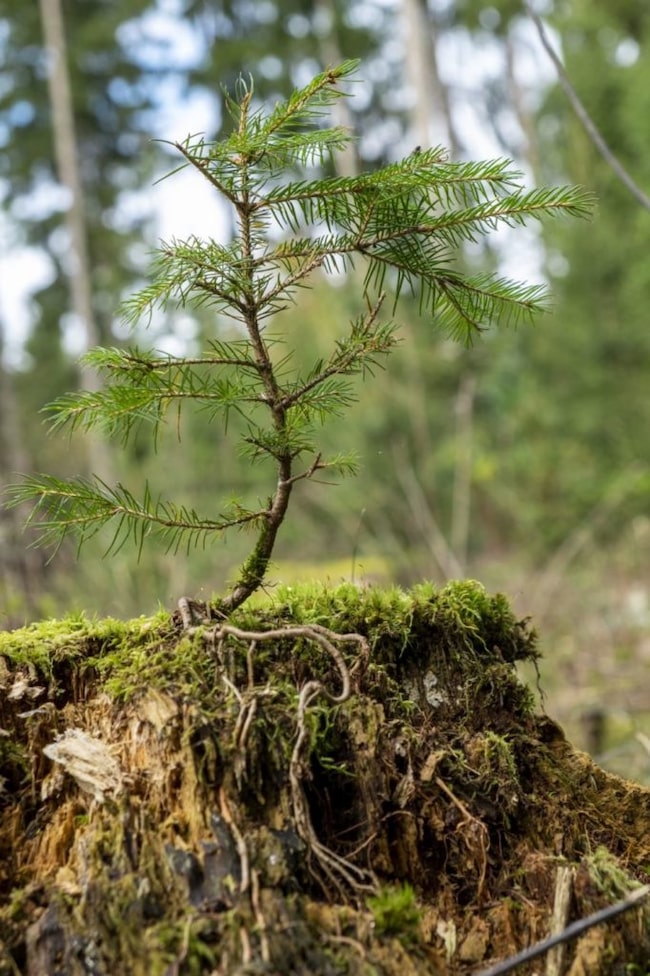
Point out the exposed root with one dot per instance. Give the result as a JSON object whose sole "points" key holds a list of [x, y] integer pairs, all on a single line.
{"points": [[476, 828], [265, 950], [339, 871], [342, 874], [186, 613], [247, 701], [321, 635], [240, 843], [246, 951]]}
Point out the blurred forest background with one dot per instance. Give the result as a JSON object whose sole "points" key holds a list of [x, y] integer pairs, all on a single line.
{"points": [[523, 462]]}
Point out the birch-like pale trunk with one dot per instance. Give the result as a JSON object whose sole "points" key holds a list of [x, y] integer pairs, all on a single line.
{"points": [[431, 115], [68, 170], [346, 161]]}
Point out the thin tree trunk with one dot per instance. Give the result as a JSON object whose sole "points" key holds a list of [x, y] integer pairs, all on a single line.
{"points": [[432, 120], [67, 164], [460, 519], [346, 161], [523, 115], [21, 568]]}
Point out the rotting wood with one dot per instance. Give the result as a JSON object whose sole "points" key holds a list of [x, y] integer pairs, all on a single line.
{"points": [[572, 931], [560, 918]]}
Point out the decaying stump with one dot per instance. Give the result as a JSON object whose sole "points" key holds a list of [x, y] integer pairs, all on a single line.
{"points": [[218, 800]]}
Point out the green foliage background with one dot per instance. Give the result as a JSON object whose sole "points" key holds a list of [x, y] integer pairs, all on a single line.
{"points": [[560, 460]]}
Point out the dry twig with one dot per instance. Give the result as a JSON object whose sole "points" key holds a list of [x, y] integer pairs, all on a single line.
{"points": [[584, 116]]}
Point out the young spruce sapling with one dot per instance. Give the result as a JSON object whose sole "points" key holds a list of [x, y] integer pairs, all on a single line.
{"points": [[405, 223]]}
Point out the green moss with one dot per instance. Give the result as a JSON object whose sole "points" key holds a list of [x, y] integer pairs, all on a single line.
{"points": [[465, 616], [395, 913], [75, 637], [405, 628], [500, 757], [608, 876]]}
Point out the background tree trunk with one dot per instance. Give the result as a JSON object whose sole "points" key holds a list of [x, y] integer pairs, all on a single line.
{"points": [[69, 171], [431, 117], [22, 569]]}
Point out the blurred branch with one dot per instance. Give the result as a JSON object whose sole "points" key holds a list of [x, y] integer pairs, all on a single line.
{"points": [[462, 497], [424, 518], [522, 112], [584, 116], [555, 570]]}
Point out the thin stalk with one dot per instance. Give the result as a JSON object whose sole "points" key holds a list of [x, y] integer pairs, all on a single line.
{"points": [[587, 123], [254, 569]]}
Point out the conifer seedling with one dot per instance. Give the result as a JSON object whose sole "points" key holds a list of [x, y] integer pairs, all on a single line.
{"points": [[404, 224]]}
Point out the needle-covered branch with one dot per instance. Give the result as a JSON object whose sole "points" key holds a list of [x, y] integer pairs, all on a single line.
{"points": [[405, 223], [83, 507]]}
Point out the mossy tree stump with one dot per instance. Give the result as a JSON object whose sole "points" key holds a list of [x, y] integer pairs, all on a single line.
{"points": [[190, 800]]}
